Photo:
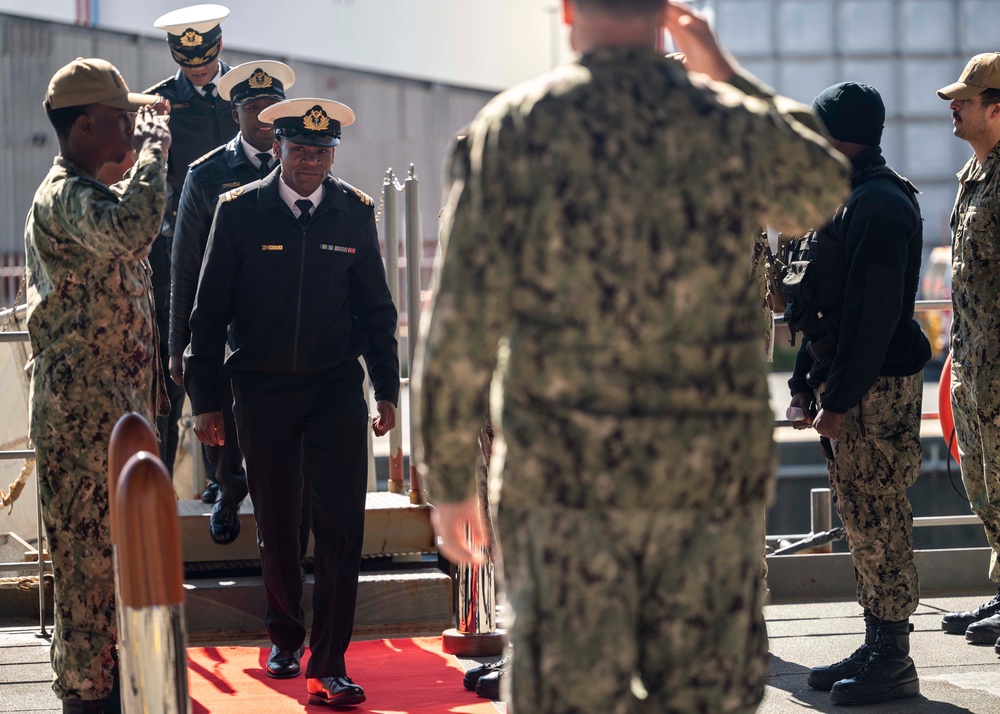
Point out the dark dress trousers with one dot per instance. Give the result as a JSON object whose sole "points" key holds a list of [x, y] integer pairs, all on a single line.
{"points": [[301, 304]]}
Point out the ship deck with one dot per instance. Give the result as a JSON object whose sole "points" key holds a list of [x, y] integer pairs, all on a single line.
{"points": [[954, 676]]}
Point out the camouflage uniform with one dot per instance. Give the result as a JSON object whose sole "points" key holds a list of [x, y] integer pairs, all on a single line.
{"points": [[877, 458], [94, 345], [600, 237], [975, 376]]}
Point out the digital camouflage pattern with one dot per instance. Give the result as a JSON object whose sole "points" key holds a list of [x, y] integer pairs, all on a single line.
{"points": [[975, 380], [94, 345], [578, 609], [877, 458], [758, 278], [975, 400], [599, 235]]}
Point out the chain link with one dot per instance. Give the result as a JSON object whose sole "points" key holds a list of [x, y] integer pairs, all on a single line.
{"points": [[381, 203]]}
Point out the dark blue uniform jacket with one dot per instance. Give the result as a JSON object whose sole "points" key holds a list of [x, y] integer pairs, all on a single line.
{"points": [[296, 299], [221, 170]]}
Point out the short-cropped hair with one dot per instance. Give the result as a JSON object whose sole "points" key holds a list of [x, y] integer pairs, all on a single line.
{"points": [[62, 119], [989, 96]]}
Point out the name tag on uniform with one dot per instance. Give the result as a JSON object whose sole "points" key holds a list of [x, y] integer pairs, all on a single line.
{"points": [[336, 248], [234, 184], [272, 247]]}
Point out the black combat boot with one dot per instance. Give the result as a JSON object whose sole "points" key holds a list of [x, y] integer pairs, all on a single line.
{"points": [[823, 678], [889, 672], [81, 706]]}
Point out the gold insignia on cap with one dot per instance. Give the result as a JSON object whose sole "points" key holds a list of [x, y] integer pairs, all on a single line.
{"points": [[316, 120], [191, 39], [259, 80]]}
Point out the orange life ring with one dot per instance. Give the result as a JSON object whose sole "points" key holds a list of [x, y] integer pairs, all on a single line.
{"points": [[944, 410]]}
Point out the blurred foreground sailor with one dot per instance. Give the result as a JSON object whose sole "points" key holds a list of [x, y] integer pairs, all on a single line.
{"points": [[596, 258], [293, 270], [251, 88], [93, 349], [200, 120]]}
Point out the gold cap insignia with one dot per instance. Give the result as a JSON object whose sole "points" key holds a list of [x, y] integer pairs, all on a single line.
{"points": [[191, 39], [316, 120], [259, 80]]}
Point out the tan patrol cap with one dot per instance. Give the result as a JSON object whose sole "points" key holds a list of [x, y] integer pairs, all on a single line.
{"points": [[92, 81], [982, 73]]}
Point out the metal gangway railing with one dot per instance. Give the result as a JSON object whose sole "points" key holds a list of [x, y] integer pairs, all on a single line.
{"points": [[409, 262], [820, 536]]}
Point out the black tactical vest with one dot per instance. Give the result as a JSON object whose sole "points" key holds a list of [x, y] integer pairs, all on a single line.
{"points": [[816, 277]]}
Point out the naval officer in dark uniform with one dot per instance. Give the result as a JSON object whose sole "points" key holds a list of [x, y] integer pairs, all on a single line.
{"points": [[200, 120], [249, 156], [293, 272]]}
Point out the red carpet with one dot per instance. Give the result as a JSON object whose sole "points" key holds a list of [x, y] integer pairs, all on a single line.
{"points": [[399, 677]]}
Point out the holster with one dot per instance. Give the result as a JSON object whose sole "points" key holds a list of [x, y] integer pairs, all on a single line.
{"points": [[821, 348]]}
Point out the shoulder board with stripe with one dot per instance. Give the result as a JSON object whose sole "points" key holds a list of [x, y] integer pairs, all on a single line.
{"points": [[232, 195], [364, 197], [202, 159]]}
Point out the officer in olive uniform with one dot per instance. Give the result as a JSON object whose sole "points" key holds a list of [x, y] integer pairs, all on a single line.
{"points": [[850, 289], [595, 255], [293, 269], [249, 156], [93, 350], [200, 120], [975, 328]]}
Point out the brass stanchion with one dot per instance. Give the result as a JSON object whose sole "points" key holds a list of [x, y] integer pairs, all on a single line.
{"points": [[476, 634], [132, 434], [152, 590]]}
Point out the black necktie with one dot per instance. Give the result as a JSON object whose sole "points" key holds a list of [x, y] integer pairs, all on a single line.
{"points": [[265, 160], [209, 90], [304, 205]]}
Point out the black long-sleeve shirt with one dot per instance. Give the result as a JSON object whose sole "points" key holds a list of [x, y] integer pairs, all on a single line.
{"points": [[295, 299], [882, 235]]}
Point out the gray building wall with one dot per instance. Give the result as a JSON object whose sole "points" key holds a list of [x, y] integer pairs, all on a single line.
{"points": [[399, 122], [905, 48]]}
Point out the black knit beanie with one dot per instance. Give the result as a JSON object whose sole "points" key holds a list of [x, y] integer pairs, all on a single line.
{"points": [[852, 112]]}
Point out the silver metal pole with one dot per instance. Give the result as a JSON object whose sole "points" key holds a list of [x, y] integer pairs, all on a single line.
{"points": [[820, 515], [418, 494], [390, 234]]}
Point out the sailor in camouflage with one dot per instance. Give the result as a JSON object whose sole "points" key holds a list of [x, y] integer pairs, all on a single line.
{"points": [[975, 292], [595, 255], [93, 339]]}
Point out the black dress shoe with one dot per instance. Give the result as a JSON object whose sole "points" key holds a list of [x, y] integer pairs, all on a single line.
{"points": [[224, 523], [489, 684], [211, 493], [476, 673], [957, 623], [334, 691], [283, 664]]}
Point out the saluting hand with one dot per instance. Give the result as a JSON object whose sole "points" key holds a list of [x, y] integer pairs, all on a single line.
{"points": [[386, 418], [693, 36], [151, 125]]}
